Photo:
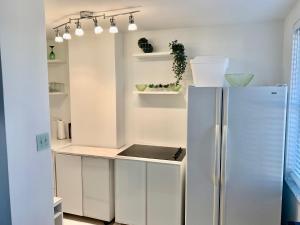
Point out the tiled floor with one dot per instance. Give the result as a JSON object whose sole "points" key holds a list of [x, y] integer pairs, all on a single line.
{"points": [[76, 220]]}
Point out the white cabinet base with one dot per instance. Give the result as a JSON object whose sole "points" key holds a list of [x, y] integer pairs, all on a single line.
{"points": [[164, 194], [86, 185], [69, 182], [98, 188], [130, 192], [149, 193]]}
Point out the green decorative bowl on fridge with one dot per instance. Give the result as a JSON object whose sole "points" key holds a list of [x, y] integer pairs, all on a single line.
{"points": [[239, 79]]}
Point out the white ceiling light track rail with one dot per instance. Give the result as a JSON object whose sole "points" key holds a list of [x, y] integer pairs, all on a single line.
{"points": [[88, 15]]}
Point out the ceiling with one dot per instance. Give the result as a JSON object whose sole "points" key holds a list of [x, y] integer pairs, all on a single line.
{"points": [[163, 14]]}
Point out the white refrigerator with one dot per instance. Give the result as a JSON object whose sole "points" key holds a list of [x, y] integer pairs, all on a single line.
{"points": [[235, 155]]}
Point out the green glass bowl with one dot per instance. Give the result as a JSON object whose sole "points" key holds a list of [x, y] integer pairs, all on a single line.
{"points": [[239, 79], [141, 87]]}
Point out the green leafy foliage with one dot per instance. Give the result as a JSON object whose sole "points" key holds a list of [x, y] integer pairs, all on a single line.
{"points": [[180, 59], [161, 85]]}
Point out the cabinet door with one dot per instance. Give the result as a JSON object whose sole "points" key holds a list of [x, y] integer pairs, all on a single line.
{"points": [[97, 177], [130, 193], [164, 194], [69, 182]]}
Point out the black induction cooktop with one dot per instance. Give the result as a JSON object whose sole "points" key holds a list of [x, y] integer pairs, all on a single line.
{"points": [[154, 152]]}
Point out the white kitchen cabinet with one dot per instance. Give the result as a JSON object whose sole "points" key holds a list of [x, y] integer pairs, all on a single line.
{"points": [[164, 194], [69, 182], [86, 185], [98, 188], [96, 90], [130, 192], [149, 193]]}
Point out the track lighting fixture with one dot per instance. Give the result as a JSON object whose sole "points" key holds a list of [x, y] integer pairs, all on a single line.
{"points": [[131, 26], [67, 35], [88, 15], [98, 29], [58, 38], [79, 31], [113, 28]]}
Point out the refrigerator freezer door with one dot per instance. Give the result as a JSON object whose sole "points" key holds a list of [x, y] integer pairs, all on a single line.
{"points": [[252, 155], [203, 156]]}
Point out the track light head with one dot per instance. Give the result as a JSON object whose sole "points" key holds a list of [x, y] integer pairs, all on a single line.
{"points": [[79, 31], [131, 26], [67, 35], [58, 38], [98, 29], [113, 28]]}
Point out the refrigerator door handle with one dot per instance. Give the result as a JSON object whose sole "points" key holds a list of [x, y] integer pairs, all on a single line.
{"points": [[216, 172], [223, 175], [216, 163], [216, 175]]}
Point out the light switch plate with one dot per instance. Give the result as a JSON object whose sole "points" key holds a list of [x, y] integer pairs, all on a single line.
{"points": [[42, 142]]}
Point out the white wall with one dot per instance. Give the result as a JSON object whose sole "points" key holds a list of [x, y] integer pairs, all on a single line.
{"points": [[94, 79], [59, 104], [25, 81], [161, 120]]}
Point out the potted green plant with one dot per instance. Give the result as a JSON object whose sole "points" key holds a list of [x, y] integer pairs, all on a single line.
{"points": [[179, 63]]}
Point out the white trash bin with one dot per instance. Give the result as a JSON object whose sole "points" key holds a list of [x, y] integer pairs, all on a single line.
{"points": [[209, 71]]}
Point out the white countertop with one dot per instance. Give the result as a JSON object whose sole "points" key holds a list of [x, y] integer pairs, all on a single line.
{"points": [[57, 144], [66, 147], [109, 153]]}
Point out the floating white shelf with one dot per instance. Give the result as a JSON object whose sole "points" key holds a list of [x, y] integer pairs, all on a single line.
{"points": [[57, 93], [56, 61], [157, 92], [153, 55]]}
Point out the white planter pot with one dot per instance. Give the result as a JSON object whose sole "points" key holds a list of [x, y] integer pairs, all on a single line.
{"points": [[208, 71]]}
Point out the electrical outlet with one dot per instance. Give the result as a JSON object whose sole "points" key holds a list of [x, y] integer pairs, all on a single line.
{"points": [[42, 142]]}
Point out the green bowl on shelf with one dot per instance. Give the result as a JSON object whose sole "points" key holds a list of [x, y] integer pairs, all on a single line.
{"points": [[141, 87], [239, 79]]}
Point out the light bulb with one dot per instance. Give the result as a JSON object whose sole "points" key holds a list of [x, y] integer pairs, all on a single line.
{"points": [[132, 26], [98, 30], [58, 38], [67, 35], [113, 28], [79, 31]]}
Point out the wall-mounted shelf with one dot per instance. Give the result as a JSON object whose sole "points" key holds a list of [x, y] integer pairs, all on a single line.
{"points": [[57, 93], [56, 61], [153, 55], [157, 92]]}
